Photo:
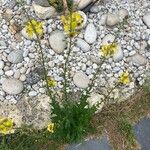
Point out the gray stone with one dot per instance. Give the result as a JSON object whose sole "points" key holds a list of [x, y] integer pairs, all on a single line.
{"points": [[146, 19], [83, 45], [108, 39], [81, 80], [44, 12], [43, 3], [1, 64], [123, 13], [82, 3], [90, 34], [35, 76], [12, 86], [118, 56], [57, 41], [112, 20], [138, 59], [15, 56], [32, 93]]}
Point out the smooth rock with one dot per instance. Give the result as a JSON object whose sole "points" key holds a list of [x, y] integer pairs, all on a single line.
{"points": [[103, 19], [83, 45], [32, 93], [108, 39], [118, 56], [9, 73], [12, 86], [44, 12], [81, 80], [57, 41], [1, 64], [123, 13], [146, 19], [112, 20], [16, 56], [43, 3], [82, 3], [90, 34], [138, 59]]}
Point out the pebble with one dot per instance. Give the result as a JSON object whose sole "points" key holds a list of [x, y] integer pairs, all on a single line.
{"points": [[9, 73], [108, 39], [90, 35], [12, 86], [123, 13], [32, 93], [82, 3], [146, 19], [112, 19], [118, 56], [81, 80], [1, 64], [57, 41], [138, 60], [15, 56], [44, 12], [83, 45]]}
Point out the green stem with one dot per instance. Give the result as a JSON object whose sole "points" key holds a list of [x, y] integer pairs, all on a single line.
{"points": [[42, 55]]}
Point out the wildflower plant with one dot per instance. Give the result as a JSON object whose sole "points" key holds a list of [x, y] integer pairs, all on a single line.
{"points": [[70, 116]]}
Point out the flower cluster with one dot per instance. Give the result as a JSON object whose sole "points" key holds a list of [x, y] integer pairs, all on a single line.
{"points": [[109, 49], [50, 127], [6, 125], [124, 78], [51, 82], [34, 26], [71, 22]]}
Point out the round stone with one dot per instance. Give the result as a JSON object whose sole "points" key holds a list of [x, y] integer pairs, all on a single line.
{"points": [[12, 86], [112, 20], [108, 39], [15, 57], [57, 41], [1, 64], [90, 34], [32, 93], [81, 80], [83, 45]]}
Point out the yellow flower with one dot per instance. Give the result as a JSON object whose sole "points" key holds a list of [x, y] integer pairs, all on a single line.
{"points": [[51, 82], [6, 125], [124, 78], [71, 22], [50, 127], [34, 26], [109, 49]]}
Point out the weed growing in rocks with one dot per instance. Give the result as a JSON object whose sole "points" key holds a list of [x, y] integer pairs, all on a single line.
{"points": [[71, 117]]}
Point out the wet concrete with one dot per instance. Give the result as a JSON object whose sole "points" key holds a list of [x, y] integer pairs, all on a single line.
{"points": [[142, 133], [94, 144]]}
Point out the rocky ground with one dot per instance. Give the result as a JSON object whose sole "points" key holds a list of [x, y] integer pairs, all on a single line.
{"points": [[127, 21]]}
